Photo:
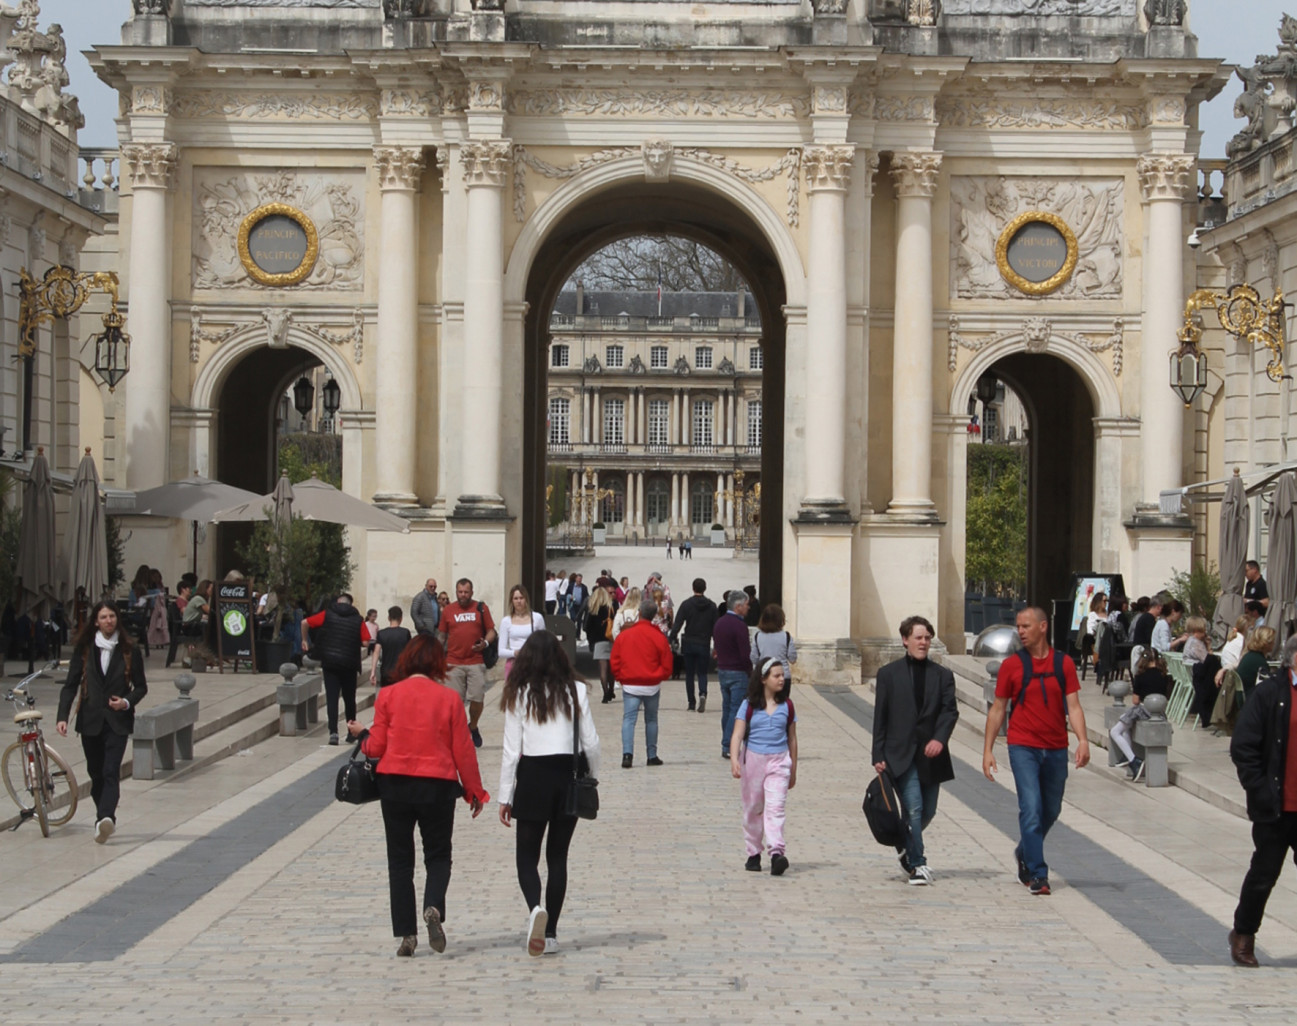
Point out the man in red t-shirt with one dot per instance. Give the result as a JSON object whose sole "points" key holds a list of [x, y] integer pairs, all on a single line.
{"points": [[466, 629], [1037, 738]]}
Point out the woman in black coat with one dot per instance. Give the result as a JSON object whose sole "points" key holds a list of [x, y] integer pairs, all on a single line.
{"points": [[108, 675]]}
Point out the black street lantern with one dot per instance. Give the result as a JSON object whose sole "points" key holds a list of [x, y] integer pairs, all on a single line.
{"points": [[303, 396], [331, 395], [1188, 372], [987, 387], [112, 350]]}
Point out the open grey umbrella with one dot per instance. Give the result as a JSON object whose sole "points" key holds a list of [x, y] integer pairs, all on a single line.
{"points": [[36, 542], [1281, 566], [195, 498], [314, 499], [85, 545], [1233, 555]]}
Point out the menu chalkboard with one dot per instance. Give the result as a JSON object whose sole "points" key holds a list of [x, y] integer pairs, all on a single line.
{"points": [[234, 624]]}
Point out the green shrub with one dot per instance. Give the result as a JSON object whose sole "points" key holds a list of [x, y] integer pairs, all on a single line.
{"points": [[1197, 589]]}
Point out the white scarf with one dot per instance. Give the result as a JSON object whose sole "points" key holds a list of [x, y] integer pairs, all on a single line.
{"points": [[106, 648]]}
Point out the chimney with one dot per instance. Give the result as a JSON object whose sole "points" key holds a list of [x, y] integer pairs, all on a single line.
{"points": [[742, 305], [580, 298]]}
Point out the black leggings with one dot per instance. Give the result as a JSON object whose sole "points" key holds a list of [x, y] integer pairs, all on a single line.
{"points": [[530, 834]]}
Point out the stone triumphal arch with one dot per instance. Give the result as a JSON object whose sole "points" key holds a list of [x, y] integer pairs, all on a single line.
{"points": [[917, 192]]}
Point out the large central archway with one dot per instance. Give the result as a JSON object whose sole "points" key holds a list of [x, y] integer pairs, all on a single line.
{"points": [[611, 209]]}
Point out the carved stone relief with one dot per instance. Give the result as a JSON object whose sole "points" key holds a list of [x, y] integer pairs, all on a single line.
{"points": [[1037, 335], [988, 111], [271, 105], [276, 320], [1269, 96], [1039, 8], [982, 205], [332, 201], [666, 103], [657, 160]]}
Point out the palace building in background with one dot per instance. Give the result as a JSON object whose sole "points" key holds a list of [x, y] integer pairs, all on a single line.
{"points": [[919, 196]]}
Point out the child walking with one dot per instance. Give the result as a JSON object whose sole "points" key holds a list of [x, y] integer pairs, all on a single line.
{"points": [[766, 761]]}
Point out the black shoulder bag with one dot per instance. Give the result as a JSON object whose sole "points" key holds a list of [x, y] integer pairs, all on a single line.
{"points": [[357, 784], [582, 798]]}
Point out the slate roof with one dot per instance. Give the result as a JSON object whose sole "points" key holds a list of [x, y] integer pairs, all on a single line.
{"points": [[645, 304]]}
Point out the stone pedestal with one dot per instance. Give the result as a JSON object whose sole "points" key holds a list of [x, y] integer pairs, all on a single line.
{"points": [[1151, 739], [477, 547], [822, 590], [1160, 545], [899, 577]]}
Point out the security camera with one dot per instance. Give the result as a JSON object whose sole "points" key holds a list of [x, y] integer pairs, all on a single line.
{"points": [[1195, 240]]}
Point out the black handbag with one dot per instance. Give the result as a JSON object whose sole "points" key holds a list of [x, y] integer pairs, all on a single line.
{"points": [[582, 798], [357, 782]]}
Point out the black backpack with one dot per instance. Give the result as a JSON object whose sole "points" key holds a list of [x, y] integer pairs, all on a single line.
{"points": [[882, 809], [1029, 674], [490, 654]]}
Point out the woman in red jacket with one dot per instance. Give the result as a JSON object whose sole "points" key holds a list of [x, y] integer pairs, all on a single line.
{"points": [[426, 762]]}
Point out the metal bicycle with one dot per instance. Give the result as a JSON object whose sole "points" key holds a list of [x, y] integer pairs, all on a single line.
{"points": [[37, 778]]}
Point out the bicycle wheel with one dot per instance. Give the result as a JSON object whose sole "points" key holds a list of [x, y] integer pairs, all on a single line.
{"points": [[60, 787], [14, 773], [36, 778]]}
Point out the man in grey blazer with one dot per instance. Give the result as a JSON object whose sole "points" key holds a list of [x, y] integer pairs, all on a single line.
{"points": [[914, 716]]}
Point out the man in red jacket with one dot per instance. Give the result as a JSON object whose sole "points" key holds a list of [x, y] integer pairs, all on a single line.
{"points": [[641, 660]]}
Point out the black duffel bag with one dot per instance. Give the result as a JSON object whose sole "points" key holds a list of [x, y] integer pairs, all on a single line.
{"points": [[882, 808], [357, 782]]}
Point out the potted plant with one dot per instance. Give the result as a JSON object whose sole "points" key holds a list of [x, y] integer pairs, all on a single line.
{"points": [[718, 534], [600, 532]]}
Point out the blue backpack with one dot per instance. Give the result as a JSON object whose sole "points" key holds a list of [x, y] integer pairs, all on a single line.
{"points": [[1029, 674]]}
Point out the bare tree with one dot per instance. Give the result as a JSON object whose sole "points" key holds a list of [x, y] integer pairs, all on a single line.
{"points": [[640, 262]]}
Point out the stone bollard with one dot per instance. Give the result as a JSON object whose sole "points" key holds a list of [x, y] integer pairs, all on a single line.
{"points": [[1118, 690], [185, 683], [988, 691], [1152, 739], [288, 671]]}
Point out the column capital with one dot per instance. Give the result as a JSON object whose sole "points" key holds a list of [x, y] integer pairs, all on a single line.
{"points": [[1166, 176], [915, 174], [150, 164], [486, 163], [399, 167], [828, 168]]}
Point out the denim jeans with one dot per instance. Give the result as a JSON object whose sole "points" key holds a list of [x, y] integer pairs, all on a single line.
{"points": [[697, 654], [630, 706], [1040, 774], [920, 803], [734, 688]]}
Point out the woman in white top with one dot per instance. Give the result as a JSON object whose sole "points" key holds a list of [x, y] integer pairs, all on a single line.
{"points": [[628, 613], [518, 626], [540, 700]]}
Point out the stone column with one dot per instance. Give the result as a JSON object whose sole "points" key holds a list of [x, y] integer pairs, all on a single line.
{"points": [[396, 413], [574, 513], [585, 414], [674, 517], [828, 175], [686, 418], [486, 169], [686, 509], [915, 177], [596, 420], [643, 418], [640, 518], [148, 386], [1165, 180]]}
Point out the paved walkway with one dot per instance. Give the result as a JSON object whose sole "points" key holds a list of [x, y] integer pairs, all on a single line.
{"points": [[241, 892]]}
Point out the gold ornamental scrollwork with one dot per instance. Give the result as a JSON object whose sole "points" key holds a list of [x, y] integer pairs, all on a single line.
{"points": [[1244, 314], [278, 280], [1026, 285]]}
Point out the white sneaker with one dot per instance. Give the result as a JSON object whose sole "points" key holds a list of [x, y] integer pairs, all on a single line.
{"points": [[536, 931], [551, 945], [104, 830], [920, 876]]}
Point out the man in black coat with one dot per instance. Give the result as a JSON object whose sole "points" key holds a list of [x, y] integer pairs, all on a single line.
{"points": [[914, 716], [108, 674], [335, 638], [696, 616], [1267, 768]]}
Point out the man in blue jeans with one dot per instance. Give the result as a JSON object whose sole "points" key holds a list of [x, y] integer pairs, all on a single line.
{"points": [[733, 647], [914, 715], [697, 616], [1045, 691]]}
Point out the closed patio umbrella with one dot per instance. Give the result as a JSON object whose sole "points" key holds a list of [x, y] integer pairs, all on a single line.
{"points": [[1281, 566], [36, 542], [1233, 555], [283, 498], [85, 545]]}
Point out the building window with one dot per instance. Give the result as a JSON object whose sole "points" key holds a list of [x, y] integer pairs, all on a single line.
{"points": [[615, 356], [991, 429], [657, 502], [613, 508], [756, 358], [614, 422], [658, 358], [701, 504], [560, 412], [560, 355], [703, 357], [754, 422], [702, 424], [659, 418]]}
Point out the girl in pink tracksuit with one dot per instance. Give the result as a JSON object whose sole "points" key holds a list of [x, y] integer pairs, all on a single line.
{"points": [[763, 754]]}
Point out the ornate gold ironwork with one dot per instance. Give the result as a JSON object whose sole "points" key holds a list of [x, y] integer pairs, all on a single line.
{"points": [[747, 509], [1055, 281], [586, 501], [1244, 314], [280, 279], [59, 294]]}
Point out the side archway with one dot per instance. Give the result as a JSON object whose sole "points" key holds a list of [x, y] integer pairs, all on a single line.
{"points": [[212, 376]]}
